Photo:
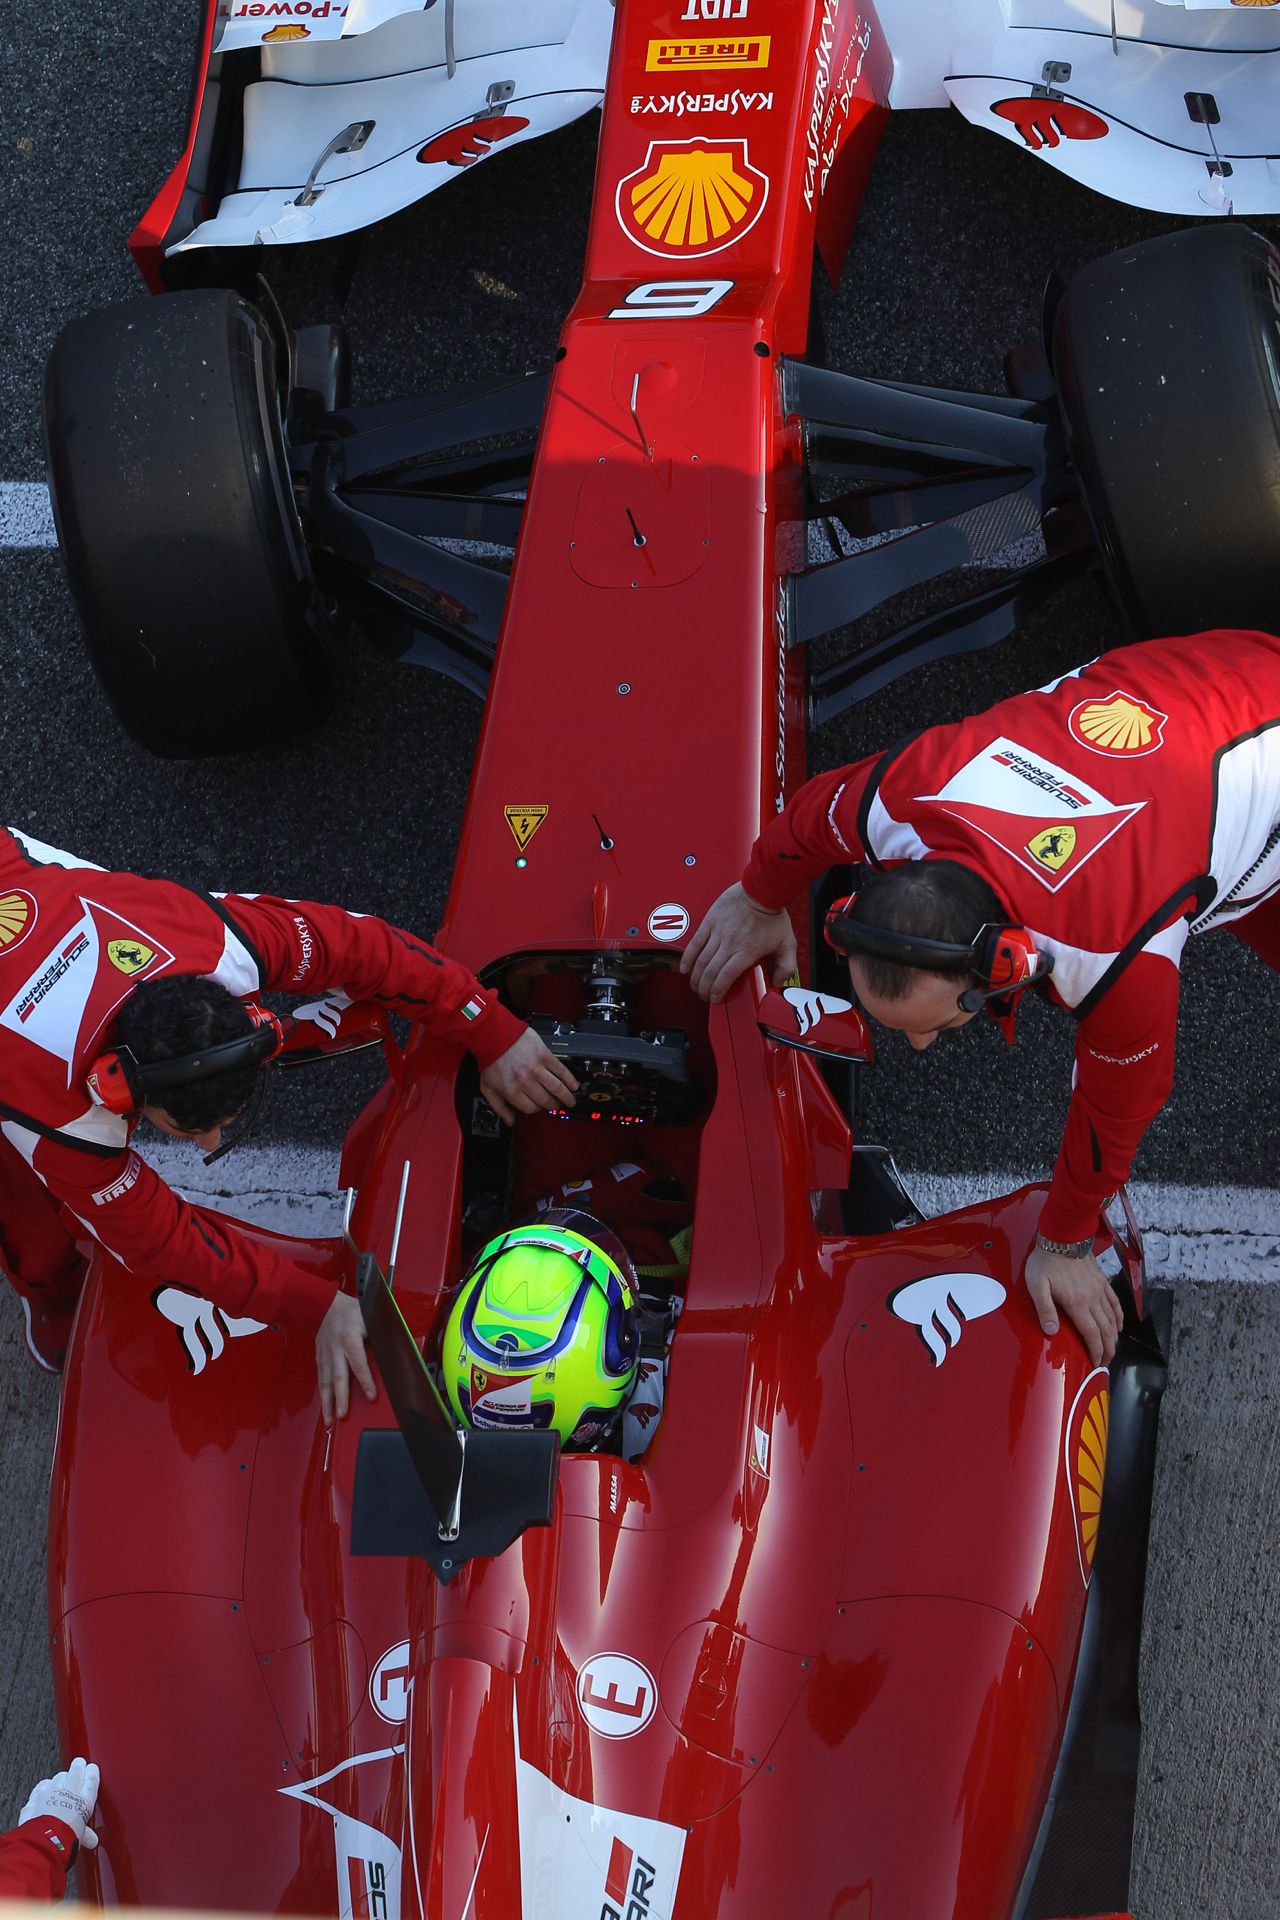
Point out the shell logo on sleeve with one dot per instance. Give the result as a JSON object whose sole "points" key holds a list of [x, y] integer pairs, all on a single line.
{"points": [[17, 917], [1085, 1461], [1121, 725], [691, 197]]}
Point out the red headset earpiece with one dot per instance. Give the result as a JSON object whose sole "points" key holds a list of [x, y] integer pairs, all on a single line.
{"points": [[1008, 958], [123, 1085], [1002, 955]]}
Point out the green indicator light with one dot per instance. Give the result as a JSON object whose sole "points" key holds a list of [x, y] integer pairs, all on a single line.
{"points": [[521, 861]]}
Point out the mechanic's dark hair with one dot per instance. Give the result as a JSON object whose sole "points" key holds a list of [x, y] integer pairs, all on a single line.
{"points": [[184, 1014], [937, 899]]}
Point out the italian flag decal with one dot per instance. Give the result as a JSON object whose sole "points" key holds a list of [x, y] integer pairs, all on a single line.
{"points": [[473, 1009]]}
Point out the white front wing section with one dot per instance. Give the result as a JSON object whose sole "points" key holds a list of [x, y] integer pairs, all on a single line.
{"points": [[1150, 152], [394, 74]]}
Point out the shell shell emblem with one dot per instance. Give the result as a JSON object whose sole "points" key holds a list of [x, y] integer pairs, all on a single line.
{"points": [[17, 917], [1121, 726], [1085, 1459], [290, 32], [691, 197]]}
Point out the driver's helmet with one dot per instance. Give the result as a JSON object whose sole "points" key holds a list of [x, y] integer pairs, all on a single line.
{"points": [[543, 1331]]}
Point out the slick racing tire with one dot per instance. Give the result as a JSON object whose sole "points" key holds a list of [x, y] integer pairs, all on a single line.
{"points": [[1167, 357], [178, 527]]}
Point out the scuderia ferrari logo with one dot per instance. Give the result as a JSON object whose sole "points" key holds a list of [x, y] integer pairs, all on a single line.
{"points": [[1048, 820], [129, 956]]}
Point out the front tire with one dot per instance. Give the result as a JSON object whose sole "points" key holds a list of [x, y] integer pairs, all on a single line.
{"points": [[178, 527], [1167, 357]]}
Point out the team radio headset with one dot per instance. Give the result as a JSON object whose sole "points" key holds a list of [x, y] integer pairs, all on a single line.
{"points": [[1003, 957], [125, 1085]]}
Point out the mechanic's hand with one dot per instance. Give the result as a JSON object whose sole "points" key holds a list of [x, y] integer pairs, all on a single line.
{"points": [[527, 1078], [340, 1353], [1084, 1293], [735, 934], [70, 1797]]}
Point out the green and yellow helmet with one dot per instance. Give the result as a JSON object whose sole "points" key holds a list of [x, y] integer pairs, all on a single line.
{"points": [[543, 1331]]}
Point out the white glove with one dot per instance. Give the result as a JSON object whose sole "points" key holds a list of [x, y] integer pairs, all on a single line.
{"points": [[69, 1797], [325, 1014]]}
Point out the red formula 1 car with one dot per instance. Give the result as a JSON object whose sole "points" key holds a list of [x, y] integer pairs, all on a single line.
{"points": [[854, 1634]]}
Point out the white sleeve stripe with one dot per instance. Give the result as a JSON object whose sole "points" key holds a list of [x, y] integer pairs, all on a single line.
{"points": [[831, 817], [47, 856], [23, 1140], [237, 970]]}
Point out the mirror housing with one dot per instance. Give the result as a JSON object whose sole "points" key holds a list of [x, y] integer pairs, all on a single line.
{"points": [[343, 1028], [816, 1022]]}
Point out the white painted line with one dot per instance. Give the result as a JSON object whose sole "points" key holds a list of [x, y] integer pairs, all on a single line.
{"points": [[26, 514], [1188, 1233], [1216, 1234]]}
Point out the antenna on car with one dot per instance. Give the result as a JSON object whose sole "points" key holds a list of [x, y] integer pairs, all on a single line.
{"points": [[646, 448], [395, 1231]]}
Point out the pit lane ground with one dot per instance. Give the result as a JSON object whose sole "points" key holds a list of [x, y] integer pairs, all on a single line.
{"points": [[957, 237]]}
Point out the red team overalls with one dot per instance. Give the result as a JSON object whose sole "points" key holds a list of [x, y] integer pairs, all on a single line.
{"points": [[74, 943], [1113, 812]]}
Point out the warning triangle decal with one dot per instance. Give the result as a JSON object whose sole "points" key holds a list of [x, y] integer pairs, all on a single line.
{"points": [[524, 822]]}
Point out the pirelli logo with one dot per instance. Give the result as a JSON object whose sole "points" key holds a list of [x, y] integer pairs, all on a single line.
{"points": [[708, 56]]}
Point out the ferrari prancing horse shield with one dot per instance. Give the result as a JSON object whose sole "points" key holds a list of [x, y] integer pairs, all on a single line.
{"points": [[1054, 847], [129, 956], [691, 197]]}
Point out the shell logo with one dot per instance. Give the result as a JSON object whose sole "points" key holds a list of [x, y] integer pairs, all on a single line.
{"points": [[691, 197], [1086, 1462], [17, 917], [1121, 726], [291, 32]]}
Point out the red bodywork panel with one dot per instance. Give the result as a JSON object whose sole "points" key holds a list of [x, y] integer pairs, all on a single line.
{"points": [[810, 1655], [146, 242]]}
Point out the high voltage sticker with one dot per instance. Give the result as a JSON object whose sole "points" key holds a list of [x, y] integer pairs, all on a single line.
{"points": [[524, 823]]}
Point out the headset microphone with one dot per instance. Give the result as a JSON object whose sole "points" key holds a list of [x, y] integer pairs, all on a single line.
{"points": [[1003, 956]]}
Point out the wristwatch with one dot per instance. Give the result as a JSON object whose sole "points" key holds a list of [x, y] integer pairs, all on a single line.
{"points": [[1073, 1249]]}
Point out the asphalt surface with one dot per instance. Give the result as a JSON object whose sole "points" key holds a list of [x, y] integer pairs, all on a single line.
{"points": [[958, 236]]}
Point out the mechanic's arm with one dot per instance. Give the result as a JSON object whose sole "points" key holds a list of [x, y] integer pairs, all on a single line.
{"points": [[39, 1853], [749, 923], [306, 947], [1123, 1074]]}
